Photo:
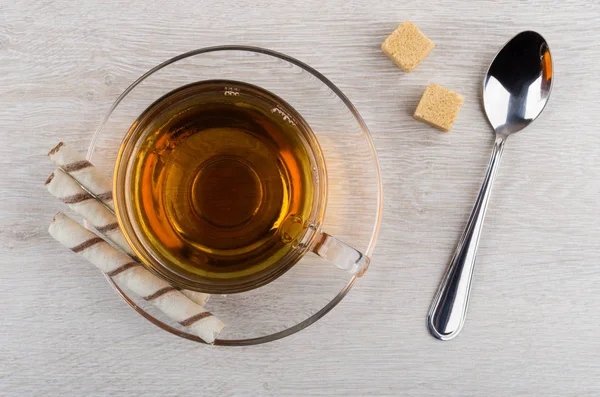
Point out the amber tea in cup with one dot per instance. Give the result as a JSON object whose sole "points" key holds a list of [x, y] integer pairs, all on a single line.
{"points": [[224, 182]]}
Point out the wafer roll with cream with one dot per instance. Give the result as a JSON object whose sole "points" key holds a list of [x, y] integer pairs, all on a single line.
{"points": [[135, 277], [88, 176], [65, 188]]}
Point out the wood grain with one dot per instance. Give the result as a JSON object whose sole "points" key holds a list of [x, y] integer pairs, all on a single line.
{"points": [[533, 324]]}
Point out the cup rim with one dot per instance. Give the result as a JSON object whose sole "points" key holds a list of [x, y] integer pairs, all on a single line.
{"points": [[377, 224], [151, 260]]}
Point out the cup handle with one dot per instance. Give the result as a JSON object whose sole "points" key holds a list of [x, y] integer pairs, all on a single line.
{"points": [[341, 254]]}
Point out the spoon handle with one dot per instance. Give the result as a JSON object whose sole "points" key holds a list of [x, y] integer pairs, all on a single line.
{"points": [[449, 307]]}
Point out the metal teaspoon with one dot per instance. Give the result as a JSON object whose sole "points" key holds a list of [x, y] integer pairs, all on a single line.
{"points": [[516, 88]]}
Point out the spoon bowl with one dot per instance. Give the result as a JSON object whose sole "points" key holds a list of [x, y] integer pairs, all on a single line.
{"points": [[516, 89], [517, 84]]}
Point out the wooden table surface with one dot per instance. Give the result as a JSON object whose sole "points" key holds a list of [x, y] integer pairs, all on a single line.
{"points": [[533, 322]]}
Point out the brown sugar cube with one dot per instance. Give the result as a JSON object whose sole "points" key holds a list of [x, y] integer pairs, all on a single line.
{"points": [[439, 107], [407, 46]]}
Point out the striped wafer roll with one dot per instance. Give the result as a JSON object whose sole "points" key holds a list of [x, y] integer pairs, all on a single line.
{"points": [[88, 176], [65, 188], [135, 277]]}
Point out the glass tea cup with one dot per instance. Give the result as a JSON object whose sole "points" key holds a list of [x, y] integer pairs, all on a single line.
{"points": [[206, 128]]}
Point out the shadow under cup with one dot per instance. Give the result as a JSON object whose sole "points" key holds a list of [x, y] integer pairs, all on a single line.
{"points": [[221, 187]]}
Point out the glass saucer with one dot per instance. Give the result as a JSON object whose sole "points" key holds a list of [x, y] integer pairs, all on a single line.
{"points": [[312, 287]]}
